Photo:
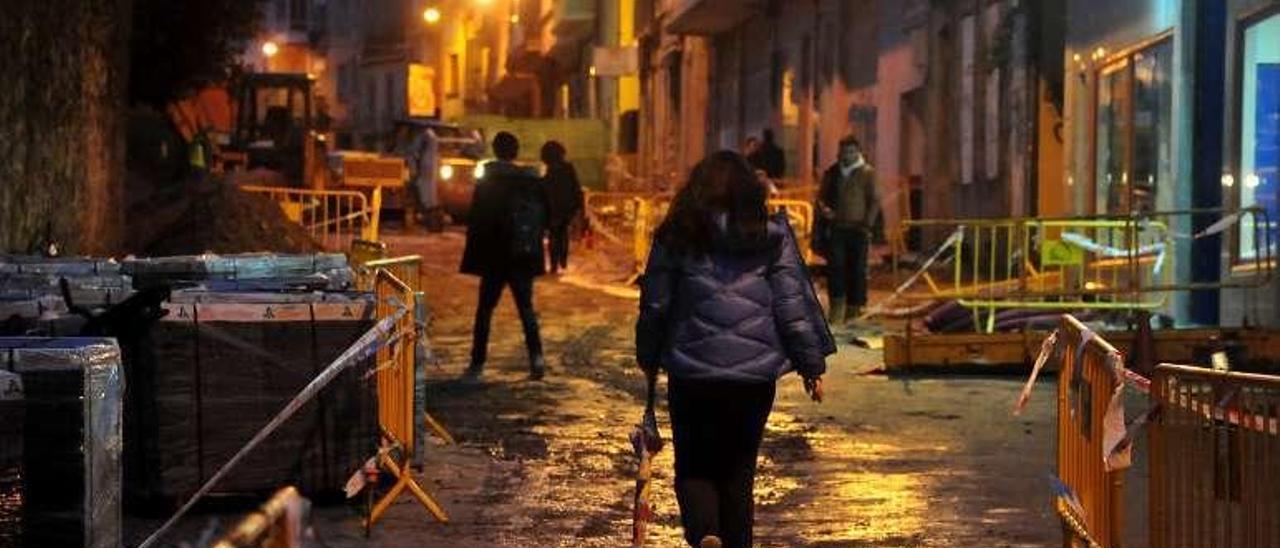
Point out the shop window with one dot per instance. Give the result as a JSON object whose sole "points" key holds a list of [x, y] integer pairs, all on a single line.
{"points": [[1133, 133], [1259, 138]]}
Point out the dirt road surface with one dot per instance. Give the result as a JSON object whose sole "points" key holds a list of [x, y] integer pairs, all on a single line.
{"points": [[885, 461]]}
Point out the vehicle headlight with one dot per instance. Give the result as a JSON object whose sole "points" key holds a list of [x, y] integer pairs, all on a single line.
{"points": [[479, 172], [446, 172]]}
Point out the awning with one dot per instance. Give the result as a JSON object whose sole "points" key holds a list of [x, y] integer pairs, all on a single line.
{"points": [[710, 17]]}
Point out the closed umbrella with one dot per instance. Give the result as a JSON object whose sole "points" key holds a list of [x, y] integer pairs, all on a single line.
{"points": [[646, 441]]}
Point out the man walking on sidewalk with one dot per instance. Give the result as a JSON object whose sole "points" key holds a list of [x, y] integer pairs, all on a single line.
{"points": [[505, 230], [850, 205]]}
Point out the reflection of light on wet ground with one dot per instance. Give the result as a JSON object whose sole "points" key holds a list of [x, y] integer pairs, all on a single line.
{"points": [[835, 488]]}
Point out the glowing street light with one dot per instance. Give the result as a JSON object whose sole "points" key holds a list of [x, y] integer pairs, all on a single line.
{"points": [[270, 49], [431, 16]]}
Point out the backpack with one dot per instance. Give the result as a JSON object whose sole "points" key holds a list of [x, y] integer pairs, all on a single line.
{"points": [[528, 222]]}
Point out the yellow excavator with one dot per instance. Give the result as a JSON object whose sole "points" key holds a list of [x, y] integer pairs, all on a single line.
{"points": [[262, 121]]}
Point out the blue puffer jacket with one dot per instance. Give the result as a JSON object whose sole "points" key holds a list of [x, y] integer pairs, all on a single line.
{"points": [[730, 315]]}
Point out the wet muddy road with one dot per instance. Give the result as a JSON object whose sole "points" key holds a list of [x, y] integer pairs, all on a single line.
{"points": [[919, 461]]}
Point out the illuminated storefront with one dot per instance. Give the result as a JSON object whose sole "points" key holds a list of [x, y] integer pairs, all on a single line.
{"points": [[1258, 137]]}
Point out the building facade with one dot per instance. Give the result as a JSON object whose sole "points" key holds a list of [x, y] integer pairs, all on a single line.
{"points": [[1175, 104], [944, 96]]}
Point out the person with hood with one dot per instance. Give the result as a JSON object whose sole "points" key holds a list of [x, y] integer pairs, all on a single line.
{"points": [[505, 230], [849, 207], [726, 308], [564, 194]]}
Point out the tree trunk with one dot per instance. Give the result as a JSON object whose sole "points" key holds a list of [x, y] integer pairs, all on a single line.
{"points": [[62, 124]]}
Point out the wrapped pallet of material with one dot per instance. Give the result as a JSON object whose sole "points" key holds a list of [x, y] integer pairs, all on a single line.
{"points": [[226, 363], [11, 426], [57, 266], [72, 439], [91, 283], [233, 272]]}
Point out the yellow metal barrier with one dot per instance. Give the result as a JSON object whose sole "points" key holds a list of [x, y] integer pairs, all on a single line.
{"points": [[1089, 375], [1114, 263], [795, 189], [630, 219], [1058, 264], [332, 217], [800, 213], [1215, 459], [406, 268], [396, 378], [278, 523]]}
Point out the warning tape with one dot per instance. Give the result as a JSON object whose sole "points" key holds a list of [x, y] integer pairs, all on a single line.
{"points": [[1047, 348], [1113, 252], [879, 307], [362, 348], [1227, 221], [1116, 434]]}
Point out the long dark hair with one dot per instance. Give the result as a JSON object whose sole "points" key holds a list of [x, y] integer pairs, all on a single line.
{"points": [[722, 183]]}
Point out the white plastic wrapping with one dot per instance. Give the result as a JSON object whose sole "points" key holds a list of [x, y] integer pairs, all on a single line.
{"points": [[329, 270], [96, 364]]}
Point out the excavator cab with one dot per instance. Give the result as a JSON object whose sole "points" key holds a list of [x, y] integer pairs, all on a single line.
{"points": [[275, 126]]}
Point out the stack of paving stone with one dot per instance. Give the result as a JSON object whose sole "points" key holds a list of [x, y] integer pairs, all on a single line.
{"points": [[229, 361], [31, 299], [253, 271]]}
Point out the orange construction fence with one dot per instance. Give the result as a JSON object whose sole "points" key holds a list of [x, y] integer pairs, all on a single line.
{"points": [[278, 523], [396, 377], [1215, 459], [1090, 380]]}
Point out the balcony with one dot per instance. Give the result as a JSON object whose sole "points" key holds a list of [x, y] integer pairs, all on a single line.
{"points": [[710, 17]]}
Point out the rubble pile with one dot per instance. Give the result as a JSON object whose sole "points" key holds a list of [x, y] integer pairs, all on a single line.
{"points": [[214, 216]]}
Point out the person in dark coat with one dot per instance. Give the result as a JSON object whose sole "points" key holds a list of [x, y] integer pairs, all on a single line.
{"points": [[849, 208], [564, 195], [769, 157], [724, 310], [489, 253]]}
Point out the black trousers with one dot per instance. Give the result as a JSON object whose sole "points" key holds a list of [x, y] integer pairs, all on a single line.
{"points": [[716, 428], [490, 293], [847, 266], [559, 236]]}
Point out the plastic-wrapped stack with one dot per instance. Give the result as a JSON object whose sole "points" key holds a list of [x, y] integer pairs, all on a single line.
{"points": [[70, 486], [31, 300], [252, 271], [226, 363], [242, 335], [11, 428]]}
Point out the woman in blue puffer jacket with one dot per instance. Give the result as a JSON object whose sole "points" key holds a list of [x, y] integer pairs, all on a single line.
{"points": [[726, 308]]}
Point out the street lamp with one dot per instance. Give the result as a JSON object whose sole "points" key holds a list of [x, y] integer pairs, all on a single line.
{"points": [[270, 49], [431, 15]]}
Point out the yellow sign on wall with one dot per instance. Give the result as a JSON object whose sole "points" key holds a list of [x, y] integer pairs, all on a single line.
{"points": [[421, 92]]}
